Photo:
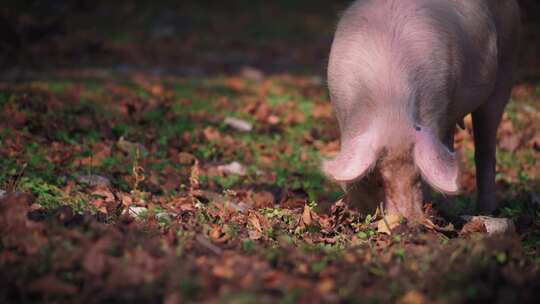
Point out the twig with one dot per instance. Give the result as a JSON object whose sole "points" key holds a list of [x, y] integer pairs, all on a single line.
{"points": [[15, 183], [194, 181], [138, 171]]}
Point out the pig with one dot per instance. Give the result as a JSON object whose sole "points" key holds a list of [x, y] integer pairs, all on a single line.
{"points": [[402, 74]]}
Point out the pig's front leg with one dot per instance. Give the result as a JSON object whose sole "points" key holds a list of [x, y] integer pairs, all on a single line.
{"points": [[486, 119]]}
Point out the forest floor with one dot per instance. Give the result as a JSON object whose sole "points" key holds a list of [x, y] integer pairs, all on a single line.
{"points": [[126, 179]]}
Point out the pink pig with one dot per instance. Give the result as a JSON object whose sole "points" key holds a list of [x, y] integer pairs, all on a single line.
{"points": [[402, 74]]}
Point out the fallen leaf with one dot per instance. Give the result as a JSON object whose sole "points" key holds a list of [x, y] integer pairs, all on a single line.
{"points": [[255, 232], [130, 147], [307, 219], [104, 193], [326, 286], [412, 297], [263, 199], [211, 134], [223, 271], [215, 233], [473, 226], [388, 223]]}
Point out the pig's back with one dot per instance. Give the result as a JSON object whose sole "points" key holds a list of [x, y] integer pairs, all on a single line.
{"points": [[492, 29], [417, 57]]}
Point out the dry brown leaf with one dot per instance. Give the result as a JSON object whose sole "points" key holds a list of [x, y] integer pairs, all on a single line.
{"points": [[215, 233], [412, 297], [254, 226], [254, 222], [263, 199], [211, 134], [489, 225], [476, 225], [185, 158], [322, 110], [236, 83], [388, 223], [130, 147], [307, 219], [104, 193], [223, 271], [100, 205], [326, 286]]}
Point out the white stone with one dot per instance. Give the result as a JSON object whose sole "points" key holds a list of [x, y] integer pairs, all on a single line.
{"points": [[137, 211], [93, 180], [233, 168], [238, 124], [494, 225]]}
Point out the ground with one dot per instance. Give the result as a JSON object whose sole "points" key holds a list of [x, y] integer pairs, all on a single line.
{"points": [[125, 178]]}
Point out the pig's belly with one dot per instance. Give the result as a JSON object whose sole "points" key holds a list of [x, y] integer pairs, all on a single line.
{"points": [[470, 99], [472, 94]]}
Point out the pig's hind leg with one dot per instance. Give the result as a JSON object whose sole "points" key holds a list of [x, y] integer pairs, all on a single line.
{"points": [[486, 120]]}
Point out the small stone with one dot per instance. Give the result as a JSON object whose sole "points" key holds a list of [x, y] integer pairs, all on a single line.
{"points": [[164, 216], [94, 180], [240, 207], [252, 73], [131, 147], [2, 193], [137, 212], [493, 226], [233, 168], [238, 124]]}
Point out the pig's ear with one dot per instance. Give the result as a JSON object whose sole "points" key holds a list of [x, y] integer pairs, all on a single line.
{"points": [[438, 165], [356, 157]]}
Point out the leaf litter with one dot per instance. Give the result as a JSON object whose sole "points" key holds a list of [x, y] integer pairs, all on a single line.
{"points": [[142, 186]]}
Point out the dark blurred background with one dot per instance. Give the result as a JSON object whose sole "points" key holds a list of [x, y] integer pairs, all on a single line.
{"points": [[187, 37]]}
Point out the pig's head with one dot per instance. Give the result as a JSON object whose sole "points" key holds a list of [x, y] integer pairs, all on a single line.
{"points": [[401, 161]]}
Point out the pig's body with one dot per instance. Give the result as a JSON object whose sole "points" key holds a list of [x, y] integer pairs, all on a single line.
{"points": [[402, 74]]}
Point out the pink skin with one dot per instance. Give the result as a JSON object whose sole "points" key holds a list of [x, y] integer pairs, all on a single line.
{"points": [[401, 75]]}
